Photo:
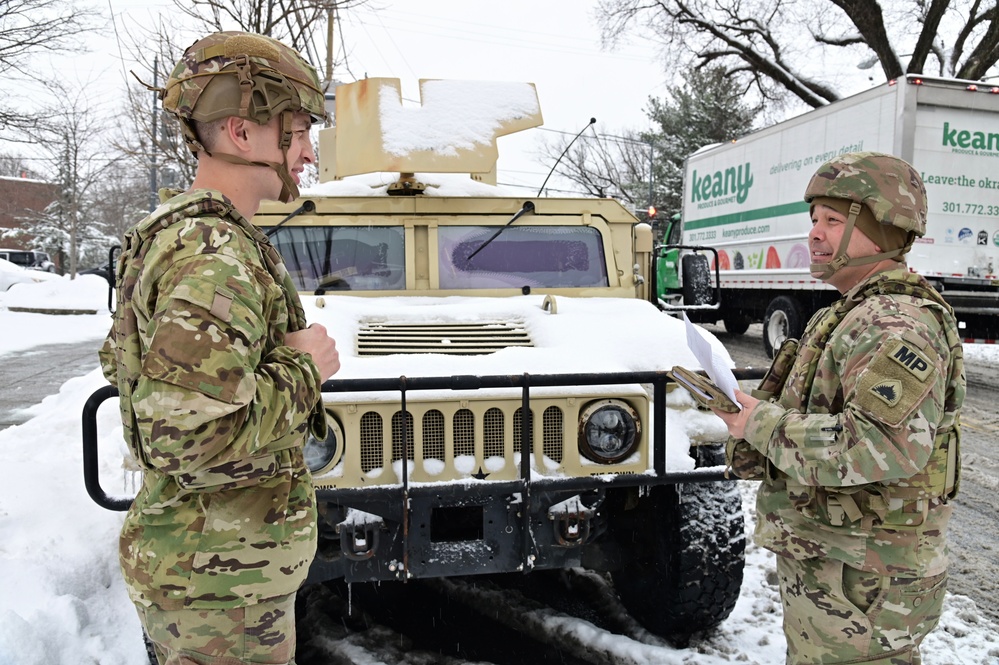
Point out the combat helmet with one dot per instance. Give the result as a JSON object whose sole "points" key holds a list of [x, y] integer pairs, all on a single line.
{"points": [[245, 75], [881, 190]]}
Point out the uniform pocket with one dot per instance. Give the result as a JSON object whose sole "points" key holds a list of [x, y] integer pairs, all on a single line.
{"points": [[234, 474]]}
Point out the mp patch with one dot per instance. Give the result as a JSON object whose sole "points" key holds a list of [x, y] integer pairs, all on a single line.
{"points": [[895, 381], [911, 358]]}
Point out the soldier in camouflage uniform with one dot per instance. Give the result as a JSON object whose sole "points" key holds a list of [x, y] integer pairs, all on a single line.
{"points": [[218, 372], [854, 432]]}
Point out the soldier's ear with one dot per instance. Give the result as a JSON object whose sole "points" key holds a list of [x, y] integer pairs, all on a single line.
{"points": [[236, 131]]}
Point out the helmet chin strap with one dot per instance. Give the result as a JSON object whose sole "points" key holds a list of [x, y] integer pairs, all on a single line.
{"points": [[289, 190], [841, 259]]}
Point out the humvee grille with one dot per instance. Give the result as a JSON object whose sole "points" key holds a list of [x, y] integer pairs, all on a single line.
{"points": [[379, 339], [433, 433]]}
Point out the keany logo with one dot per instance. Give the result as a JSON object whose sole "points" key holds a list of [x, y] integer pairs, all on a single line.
{"points": [[910, 359], [962, 138], [731, 181], [888, 391]]}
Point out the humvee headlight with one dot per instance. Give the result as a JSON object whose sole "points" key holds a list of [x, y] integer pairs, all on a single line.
{"points": [[322, 455], [609, 431]]}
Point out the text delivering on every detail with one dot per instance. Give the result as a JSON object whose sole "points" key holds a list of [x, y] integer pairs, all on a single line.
{"points": [[813, 161]]}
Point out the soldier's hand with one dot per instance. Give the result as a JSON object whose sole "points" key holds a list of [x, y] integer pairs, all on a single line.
{"points": [[736, 422], [315, 341]]}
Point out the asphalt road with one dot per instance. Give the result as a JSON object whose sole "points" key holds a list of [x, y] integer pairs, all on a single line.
{"points": [[27, 377]]}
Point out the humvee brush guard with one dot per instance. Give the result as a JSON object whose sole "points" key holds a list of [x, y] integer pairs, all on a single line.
{"points": [[503, 404]]}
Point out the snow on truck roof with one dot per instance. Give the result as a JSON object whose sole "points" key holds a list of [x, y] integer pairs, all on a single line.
{"points": [[453, 130]]}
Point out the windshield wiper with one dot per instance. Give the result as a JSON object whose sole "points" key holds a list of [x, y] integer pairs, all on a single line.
{"points": [[307, 206], [527, 207]]}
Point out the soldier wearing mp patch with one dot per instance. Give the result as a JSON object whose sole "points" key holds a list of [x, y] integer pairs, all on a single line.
{"points": [[854, 432], [218, 372]]}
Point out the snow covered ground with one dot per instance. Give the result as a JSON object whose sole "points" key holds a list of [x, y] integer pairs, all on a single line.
{"points": [[62, 600]]}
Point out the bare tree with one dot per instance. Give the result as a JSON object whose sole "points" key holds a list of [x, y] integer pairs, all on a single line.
{"points": [[781, 49], [152, 142], [302, 24], [646, 168], [28, 29], [14, 166], [72, 149], [603, 165]]}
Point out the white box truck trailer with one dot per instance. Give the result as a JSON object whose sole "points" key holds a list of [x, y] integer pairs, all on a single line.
{"points": [[739, 252]]}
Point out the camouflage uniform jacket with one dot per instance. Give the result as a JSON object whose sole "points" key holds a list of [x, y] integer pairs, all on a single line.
{"points": [[857, 442], [215, 409]]}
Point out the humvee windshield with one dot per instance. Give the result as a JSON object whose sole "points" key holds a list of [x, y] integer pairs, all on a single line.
{"points": [[374, 257]]}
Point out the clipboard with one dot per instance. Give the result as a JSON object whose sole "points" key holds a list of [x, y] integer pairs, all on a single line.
{"points": [[703, 390]]}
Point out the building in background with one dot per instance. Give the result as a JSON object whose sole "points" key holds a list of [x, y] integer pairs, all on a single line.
{"points": [[20, 198]]}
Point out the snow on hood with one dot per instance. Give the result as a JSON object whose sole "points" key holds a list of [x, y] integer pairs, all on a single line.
{"points": [[586, 335]]}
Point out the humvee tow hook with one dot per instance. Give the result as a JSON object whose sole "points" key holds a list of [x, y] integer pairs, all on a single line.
{"points": [[359, 535], [571, 520]]}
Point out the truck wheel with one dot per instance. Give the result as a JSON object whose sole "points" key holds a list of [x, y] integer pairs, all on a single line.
{"points": [[689, 543], [736, 323], [783, 320]]}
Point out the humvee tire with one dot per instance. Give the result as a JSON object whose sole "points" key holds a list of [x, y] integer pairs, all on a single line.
{"points": [[689, 543]]}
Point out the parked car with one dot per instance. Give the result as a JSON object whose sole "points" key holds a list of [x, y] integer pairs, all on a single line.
{"points": [[29, 258], [11, 274]]}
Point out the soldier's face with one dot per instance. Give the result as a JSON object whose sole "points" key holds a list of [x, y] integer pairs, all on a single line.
{"points": [[828, 227], [300, 151]]}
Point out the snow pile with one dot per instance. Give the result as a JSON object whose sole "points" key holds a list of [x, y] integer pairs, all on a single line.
{"points": [[62, 599], [86, 292], [454, 115]]}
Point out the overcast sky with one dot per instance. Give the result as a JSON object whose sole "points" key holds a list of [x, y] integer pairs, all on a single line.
{"points": [[555, 45]]}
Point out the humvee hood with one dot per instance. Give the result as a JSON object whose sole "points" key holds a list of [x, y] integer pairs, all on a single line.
{"points": [[422, 336]]}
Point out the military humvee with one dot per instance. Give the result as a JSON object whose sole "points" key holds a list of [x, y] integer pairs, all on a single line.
{"points": [[503, 405]]}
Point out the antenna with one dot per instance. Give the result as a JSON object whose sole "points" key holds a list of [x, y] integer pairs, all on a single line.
{"points": [[308, 206], [591, 122]]}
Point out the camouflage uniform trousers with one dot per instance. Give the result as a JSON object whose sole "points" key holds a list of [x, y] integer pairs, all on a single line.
{"points": [[834, 613], [263, 633]]}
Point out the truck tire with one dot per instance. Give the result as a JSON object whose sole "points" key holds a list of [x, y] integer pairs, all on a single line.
{"points": [[736, 323], [696, 279], [689, 546], [783, 320]]}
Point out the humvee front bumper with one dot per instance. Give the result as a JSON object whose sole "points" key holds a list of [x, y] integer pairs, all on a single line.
{"points": [[474, 525]]}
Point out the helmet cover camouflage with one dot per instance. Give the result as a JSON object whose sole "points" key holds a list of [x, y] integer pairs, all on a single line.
{"points": [[245, 75], [890, 187], [241, 74]]}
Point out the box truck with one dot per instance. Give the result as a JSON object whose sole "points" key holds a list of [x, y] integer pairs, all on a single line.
{"points": [[739, 251]]}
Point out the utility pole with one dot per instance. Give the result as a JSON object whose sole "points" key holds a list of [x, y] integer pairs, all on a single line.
{"points": [[328, 87], [153, 196], [652, 153]]}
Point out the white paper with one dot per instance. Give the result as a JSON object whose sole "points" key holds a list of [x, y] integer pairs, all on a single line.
{"points": [[717, 371]]}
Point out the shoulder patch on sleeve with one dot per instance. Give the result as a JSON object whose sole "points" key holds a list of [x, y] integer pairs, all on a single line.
{"points": [[912, 358], [889, 391], [895, 381]]}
